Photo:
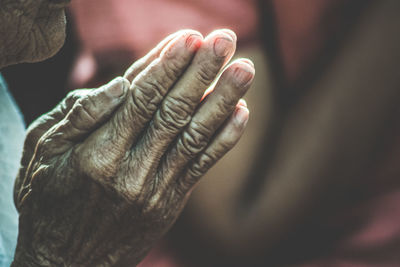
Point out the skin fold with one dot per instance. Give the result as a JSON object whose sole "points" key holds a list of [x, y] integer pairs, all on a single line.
{"points": [[108, 170]]}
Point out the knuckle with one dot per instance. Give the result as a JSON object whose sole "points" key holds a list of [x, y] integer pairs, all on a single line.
{"points": [[172, 67], [205, 162], [74, 96], [175, 113], [83, 112], [226, 145], [206, 73], [141, 104], [201, 166], [194, 139], [150, 90], [226, 105]]}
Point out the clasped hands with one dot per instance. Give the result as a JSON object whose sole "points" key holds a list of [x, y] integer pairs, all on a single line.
{"points": [[107, 172]]}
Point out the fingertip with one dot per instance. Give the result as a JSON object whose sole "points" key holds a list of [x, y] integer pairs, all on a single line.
{"points": [[223, 43], [241, 115], [117, 87], [242, 71], [194, 40]]}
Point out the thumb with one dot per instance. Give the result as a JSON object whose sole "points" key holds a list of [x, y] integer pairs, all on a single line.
{"points": [[84, 117]]}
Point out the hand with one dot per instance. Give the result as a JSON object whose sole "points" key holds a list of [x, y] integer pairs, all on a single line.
{"points": [[113, 167]]}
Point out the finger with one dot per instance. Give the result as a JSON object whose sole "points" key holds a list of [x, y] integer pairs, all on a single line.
{"points": [[143, 62], [86, 114], [178, 106], [214, 110], [115, 138], [224, 141], [48, 120]]}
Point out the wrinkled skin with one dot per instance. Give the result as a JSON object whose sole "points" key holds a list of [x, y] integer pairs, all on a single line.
{"points": [[107, 172], [30, 30]]}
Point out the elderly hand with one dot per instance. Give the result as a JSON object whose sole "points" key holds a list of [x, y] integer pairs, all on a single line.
{"points": [[107, 172]]}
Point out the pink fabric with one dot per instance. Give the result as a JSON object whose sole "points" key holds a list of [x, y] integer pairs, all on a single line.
{"points": [[140, 25]]}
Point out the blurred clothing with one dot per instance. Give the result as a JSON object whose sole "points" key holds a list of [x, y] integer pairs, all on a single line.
{"points": [[137, 26], [12, 133]]}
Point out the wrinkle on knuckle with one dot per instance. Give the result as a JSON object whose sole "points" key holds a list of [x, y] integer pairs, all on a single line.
{"points": [[201, 166], [151, 88], [194, 172], [174, 113], [172, 68], [74, 96], [205, 162], [205, 74], [224, 106], [225, 146], [139, 105], [194, 139], [83, 111], [147, 94]]}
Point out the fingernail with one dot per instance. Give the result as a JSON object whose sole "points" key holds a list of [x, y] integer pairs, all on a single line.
{"points": [[117, 87], [243, 75], [193, 41], [241, 115], [222, 46]]}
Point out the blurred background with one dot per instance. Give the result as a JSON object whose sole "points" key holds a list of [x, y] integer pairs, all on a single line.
{"points": [[315, 179]]}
